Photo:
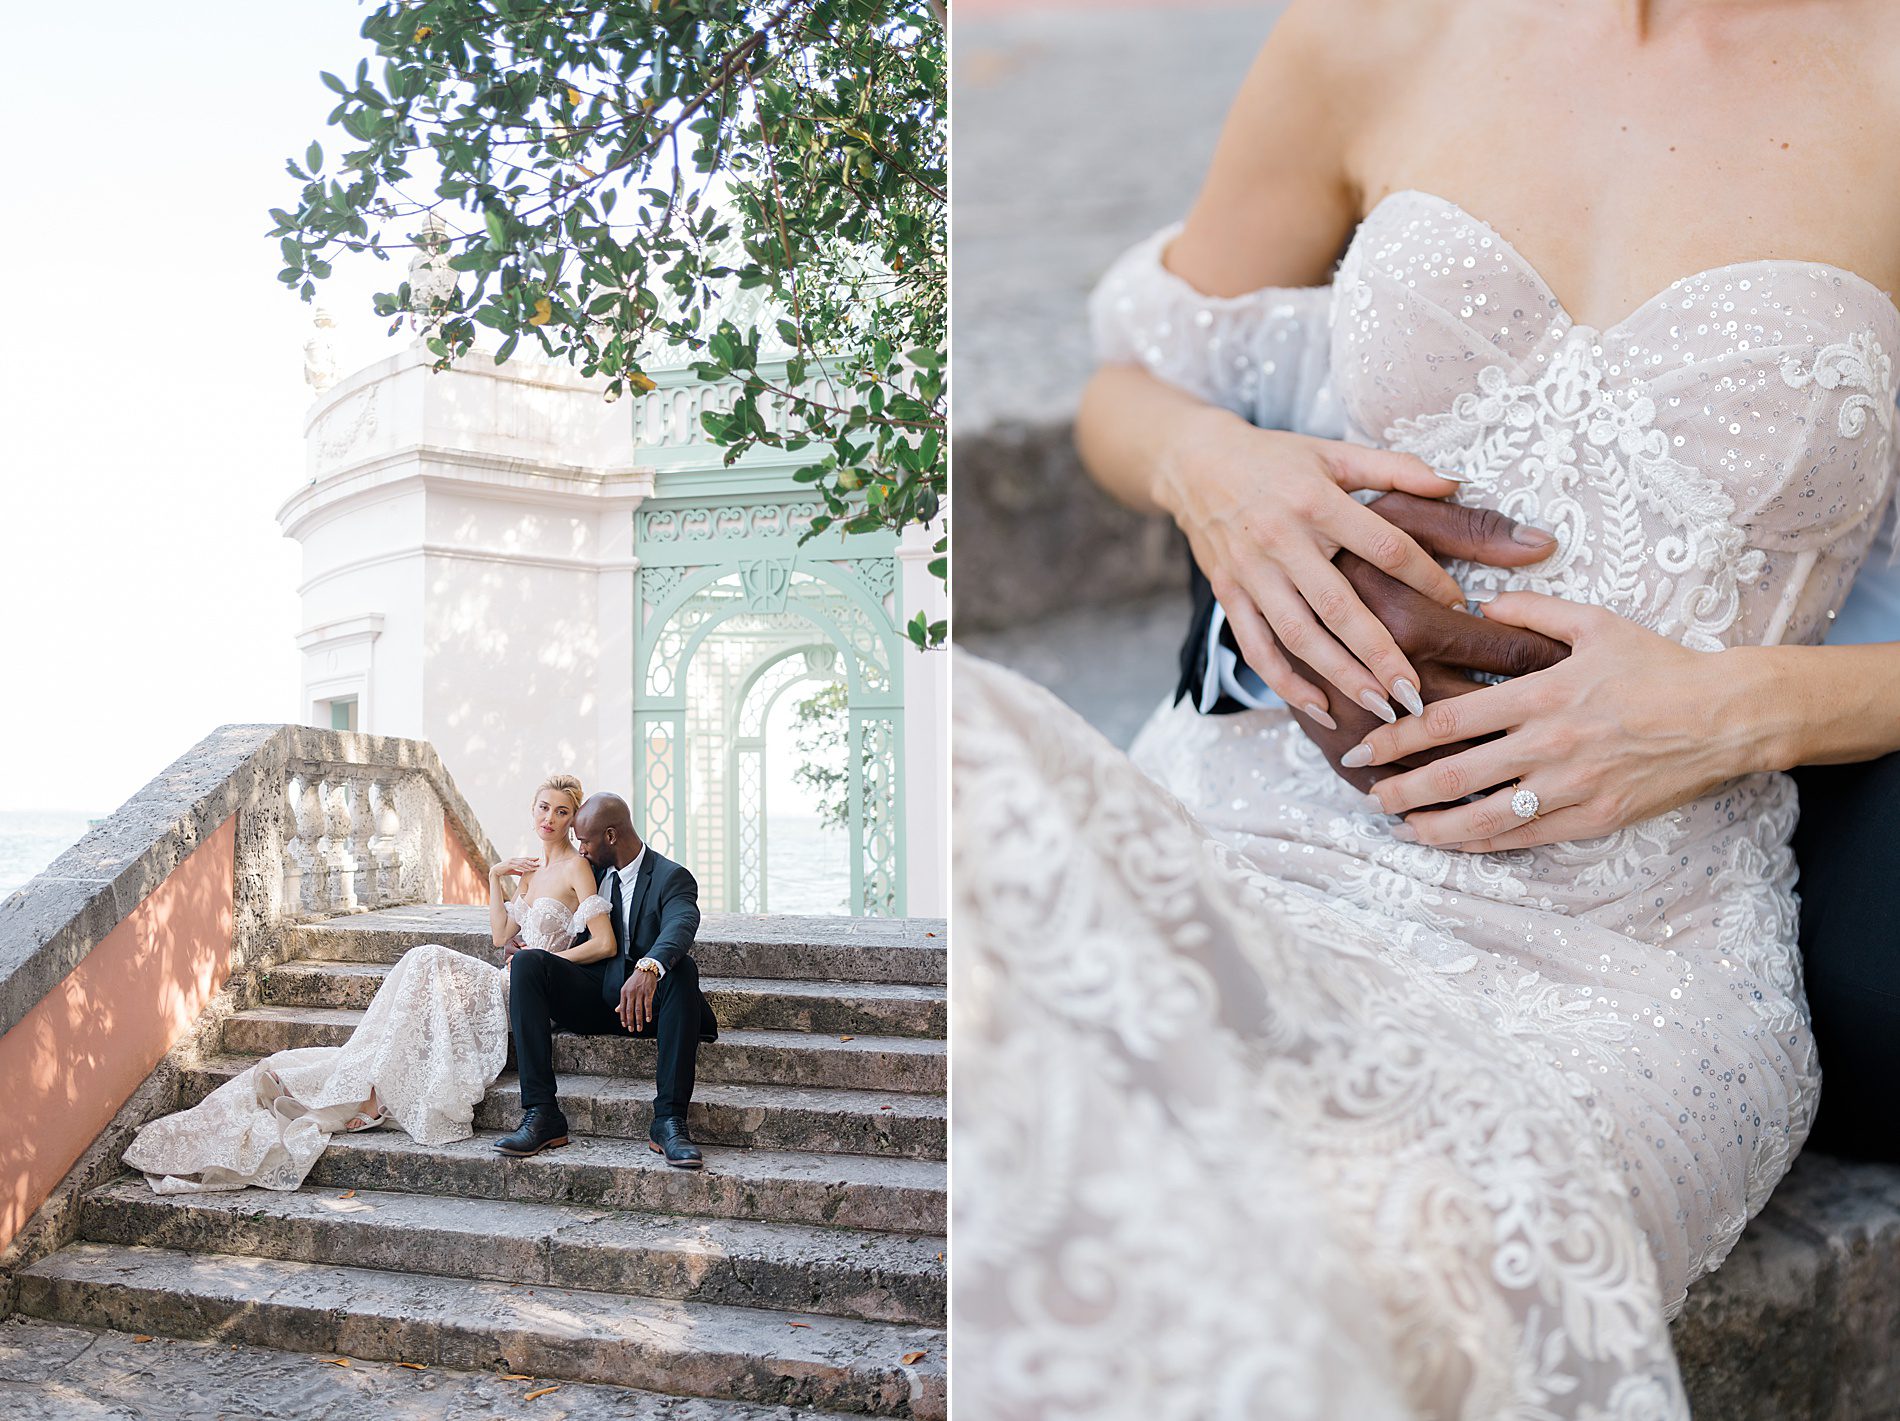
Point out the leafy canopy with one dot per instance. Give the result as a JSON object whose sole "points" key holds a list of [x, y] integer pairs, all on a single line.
{"points": [[611, 176]]}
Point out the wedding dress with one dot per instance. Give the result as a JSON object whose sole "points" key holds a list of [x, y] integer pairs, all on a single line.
{"points": [[433, 1039], [1261, 1112]]}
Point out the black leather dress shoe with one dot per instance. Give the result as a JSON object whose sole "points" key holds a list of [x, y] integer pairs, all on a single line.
{"points": [[542, 1128], [668, 1137]]}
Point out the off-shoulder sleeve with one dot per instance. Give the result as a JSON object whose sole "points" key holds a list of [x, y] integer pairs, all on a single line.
{"points": [[590, 908], [512, 906], [1264, 355]]}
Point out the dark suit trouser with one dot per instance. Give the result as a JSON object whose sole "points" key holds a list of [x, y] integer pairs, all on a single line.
{"points": [[1847, 843], [546, 992]]}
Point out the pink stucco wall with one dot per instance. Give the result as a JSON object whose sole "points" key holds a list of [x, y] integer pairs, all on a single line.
{"points": [[82, 1050], [463, 879]]}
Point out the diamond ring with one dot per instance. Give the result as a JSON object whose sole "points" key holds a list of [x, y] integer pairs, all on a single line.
{"points": [[1524, 803]]}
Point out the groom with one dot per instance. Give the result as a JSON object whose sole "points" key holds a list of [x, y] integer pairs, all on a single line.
{"points": [[649, 987]]}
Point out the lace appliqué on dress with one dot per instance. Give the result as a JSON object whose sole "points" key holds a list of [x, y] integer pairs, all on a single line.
{"points": [[432, 1040], [1351, 1127]]}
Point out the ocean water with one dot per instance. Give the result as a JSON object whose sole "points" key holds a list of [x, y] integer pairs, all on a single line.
{"points": [[30, 839], [807, 867]]}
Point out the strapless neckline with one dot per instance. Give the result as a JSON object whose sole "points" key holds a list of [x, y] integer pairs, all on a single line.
{"points": [[1890, 313]]}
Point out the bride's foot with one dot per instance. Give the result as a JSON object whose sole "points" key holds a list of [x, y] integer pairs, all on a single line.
{"points": [[270, 1088], [369, 1119]]}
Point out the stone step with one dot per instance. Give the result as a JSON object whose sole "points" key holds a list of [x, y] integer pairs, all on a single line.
{"points": [[817, 949], [784, 1186], [766, 1003], [59, 1372], [878, 1277], [756, 1116], [689, 1349], [889, 1063]]}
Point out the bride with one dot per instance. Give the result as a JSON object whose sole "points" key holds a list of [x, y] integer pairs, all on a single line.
{"points": [[432, 1041], [1278, 1099]]}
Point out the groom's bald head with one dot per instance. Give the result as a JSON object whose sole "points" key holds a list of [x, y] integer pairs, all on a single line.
{"points": [[605, 830]]}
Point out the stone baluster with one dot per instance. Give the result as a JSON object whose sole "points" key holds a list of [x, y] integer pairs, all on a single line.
{"points": [[335, 845], [308, 845], [293, 859], [362, 829], [388, 845]]}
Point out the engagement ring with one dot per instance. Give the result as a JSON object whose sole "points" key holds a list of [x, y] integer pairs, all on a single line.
{"points": [[1524, 804]]}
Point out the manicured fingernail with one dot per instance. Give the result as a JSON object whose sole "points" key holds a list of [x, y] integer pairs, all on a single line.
{"points": [[1532, 537], [1452, 477], [1405, 833], [1378, 705], [1357, 758], [1318, 713], [1371, 802], [1483, 595], [1408, 696]]}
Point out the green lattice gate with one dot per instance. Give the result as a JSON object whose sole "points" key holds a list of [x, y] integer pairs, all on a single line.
{"points": [[731, 569]]}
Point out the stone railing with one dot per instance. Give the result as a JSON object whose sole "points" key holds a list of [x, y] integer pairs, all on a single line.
{"points": [[153, 925], [363, 836]]}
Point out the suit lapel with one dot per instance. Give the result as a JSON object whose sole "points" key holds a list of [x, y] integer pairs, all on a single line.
{"points": [[640, 882]]}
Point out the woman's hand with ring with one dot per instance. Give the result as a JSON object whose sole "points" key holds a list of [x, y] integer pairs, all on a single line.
{"points": [[1265, 512], [1630, 725]]}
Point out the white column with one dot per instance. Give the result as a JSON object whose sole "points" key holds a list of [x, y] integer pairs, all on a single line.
{"points": [[926, 733], [613, 684]]}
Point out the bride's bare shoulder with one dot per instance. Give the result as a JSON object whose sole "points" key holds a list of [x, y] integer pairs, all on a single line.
{"points": [[578, 879], [1280, 198]]}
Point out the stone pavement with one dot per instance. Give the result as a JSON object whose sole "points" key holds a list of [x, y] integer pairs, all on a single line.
{"points": [[52, 1372]]}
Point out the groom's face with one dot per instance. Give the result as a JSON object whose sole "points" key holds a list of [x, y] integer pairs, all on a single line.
{"points": [[596, 843]]}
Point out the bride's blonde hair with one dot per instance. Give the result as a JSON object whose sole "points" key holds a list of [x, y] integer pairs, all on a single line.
{"points": [[560, 784]]}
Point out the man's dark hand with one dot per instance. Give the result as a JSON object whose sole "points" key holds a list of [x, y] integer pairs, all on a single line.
{"points": [[1444, 645], [636, 999]]}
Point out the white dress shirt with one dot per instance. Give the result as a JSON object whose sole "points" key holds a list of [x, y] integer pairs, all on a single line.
{"points": [[628, 877]]}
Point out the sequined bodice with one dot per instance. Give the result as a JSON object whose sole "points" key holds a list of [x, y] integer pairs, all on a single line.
{"points": [[1593, 1054], [549, 924], [1713, 465]]}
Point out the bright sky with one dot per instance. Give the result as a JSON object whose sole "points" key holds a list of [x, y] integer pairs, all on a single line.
{"points": [[152, 381]]}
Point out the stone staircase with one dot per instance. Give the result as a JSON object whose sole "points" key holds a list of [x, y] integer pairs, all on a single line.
{"points": [[804, 1266]]}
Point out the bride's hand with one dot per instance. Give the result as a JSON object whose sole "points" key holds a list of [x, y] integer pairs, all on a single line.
{"points": [[525, 863], [1630, 725], [1264, 512]]}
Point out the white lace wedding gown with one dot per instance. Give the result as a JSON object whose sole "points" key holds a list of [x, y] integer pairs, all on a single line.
{"points": [[1261, 1112], [433, 1039]]}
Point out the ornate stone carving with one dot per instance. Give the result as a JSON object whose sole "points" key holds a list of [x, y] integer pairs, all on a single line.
{"points": [[319, 354], [432, 283]]}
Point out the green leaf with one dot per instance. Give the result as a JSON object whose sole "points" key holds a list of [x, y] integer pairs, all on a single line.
{"points": [[779, 155]]}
